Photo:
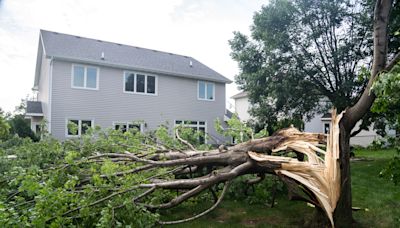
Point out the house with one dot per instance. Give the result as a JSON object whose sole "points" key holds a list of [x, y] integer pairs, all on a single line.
{"points": [[93, 82], [319, 124], [242, 106]]}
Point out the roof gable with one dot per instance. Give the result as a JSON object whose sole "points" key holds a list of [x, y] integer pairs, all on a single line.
{"points": [[58, 45], [240, 95]]}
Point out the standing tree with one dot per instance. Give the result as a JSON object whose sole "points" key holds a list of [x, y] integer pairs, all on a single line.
{"points": [[303, 52], [307, 55]]}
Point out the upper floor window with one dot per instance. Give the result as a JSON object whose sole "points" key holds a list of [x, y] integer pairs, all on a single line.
{"points": [[85, 77], [206, 91], [140, 83]]}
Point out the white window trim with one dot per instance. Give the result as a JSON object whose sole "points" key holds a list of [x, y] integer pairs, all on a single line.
{"points": [[127, 124], [85, 77], [79, 126], [145, 83], [198, 91], [198, 125], [33, 114]]}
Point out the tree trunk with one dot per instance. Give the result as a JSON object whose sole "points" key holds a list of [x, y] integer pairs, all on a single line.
{"points": [[343, 212], [342, 215]]}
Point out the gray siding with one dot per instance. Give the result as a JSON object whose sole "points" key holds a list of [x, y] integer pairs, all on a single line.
{"points": [[314, 125], [176, 99], [44, 83]]}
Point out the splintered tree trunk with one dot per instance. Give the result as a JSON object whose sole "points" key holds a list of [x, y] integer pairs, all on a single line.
{"points": [[342, 214]]}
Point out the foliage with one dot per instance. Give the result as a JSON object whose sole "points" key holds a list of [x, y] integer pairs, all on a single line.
{"points": [[194, 137], [387, 88], [4, 128], [305, 56], [392, 170], [297, 122], [387, 103], [260, 193], [21, 127], [239, 131], [378, 199], [52, 183], [377, 144], [49, 183]]}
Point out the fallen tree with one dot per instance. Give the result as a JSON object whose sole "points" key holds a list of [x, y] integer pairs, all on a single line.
{"points": [[318, 173], [116, 178]]}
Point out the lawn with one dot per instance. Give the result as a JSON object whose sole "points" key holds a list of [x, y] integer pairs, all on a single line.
{"points": [[378, 198]]}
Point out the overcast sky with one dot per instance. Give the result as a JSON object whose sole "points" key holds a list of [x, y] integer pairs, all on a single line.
{"points": [[197, 28]]}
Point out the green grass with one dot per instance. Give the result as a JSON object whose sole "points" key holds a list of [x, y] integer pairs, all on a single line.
{"points": [[378, 195], [378, 198]]}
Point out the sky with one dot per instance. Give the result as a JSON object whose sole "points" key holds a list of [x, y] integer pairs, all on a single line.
{"points": [[197, 28]]}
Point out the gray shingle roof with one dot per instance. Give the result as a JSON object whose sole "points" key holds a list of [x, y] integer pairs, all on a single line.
{"points": [[326, 115], [34, 107], [228, 113], [71, 47]]}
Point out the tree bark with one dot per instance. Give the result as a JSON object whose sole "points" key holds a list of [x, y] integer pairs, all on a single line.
{"points": [[343, 212], [342, 215], [381, 21]]}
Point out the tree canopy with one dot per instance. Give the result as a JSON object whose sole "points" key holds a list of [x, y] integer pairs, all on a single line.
{"points": [[305, 56]]}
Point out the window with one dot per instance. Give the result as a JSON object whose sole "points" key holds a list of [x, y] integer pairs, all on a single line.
{"points": [[199, 126], [327, 127], [206, 91], [126, 126], [38, 129], [139, 83], [84, 77], [78, 127]]}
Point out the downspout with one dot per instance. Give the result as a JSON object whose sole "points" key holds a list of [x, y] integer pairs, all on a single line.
{"points": [[50, 93]]}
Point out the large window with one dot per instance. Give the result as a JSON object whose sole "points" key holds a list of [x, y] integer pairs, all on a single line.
{"points": [[206, 91], [140, 83], [78, 127], [126, 126], [84, 77], [198, 126]]}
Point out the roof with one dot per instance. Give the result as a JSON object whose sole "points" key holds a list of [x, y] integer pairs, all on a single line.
{"points": [[240, 95], [326, 116], [34, 108], [228, 113], [76, 48]]}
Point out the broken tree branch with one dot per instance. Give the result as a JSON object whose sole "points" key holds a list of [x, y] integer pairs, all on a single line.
{"points": [[192, 172], [184, 141], [201, 214]]}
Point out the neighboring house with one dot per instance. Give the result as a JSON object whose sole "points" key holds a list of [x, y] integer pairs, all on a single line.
{"points": [[242, 106], [92, 82], [319, 124]]}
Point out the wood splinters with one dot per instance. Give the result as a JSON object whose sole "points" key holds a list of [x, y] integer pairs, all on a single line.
{"points": [[321, 176]]}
